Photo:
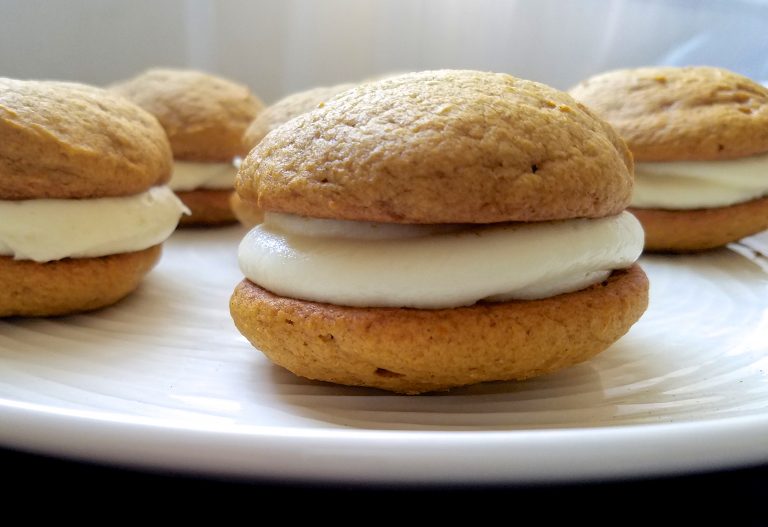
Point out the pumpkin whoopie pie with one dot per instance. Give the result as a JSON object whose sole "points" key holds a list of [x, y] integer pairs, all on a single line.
{"points": [[439, 229], [204, 116], [270, 118], [699, 136], [83, 206]]}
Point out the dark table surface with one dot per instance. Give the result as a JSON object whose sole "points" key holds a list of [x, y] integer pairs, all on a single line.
{"points": [[741, 494]]}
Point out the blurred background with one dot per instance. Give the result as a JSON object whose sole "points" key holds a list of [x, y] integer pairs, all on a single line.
{"points": [[280, 46]]}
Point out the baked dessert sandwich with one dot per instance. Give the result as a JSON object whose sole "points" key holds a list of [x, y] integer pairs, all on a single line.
{"points": [[270, 118], [83, 204], [439, 229], [699, 136], [204, 117]]}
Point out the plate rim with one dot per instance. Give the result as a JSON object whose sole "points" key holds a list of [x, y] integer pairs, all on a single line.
{"points": [[329, 455]]}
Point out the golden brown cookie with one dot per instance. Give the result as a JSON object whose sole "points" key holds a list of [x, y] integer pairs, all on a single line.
{"points": [[67, 140], [204, 115], [78, 143], [209, 207], [417, 350], [286, 109], [681, 113], [700, 229], [439, 147], [442, 147], [72, 285], [247, 213], [694, 113]]}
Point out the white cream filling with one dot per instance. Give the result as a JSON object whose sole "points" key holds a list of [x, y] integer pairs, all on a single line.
{"points": [[427, 266], [50, 229], [700, 184], [213, 176]]}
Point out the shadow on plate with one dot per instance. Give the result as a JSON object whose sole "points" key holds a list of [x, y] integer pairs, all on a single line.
{"points": [[569, 398]]}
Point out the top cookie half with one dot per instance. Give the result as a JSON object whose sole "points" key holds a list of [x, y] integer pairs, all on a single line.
{"points": [[286, 109], [67, 140], [681, 113], [204, 115], [442, 147]]}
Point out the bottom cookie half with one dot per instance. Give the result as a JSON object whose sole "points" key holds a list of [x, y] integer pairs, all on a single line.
{"points": [[208, 207], [700, 229], [71, 285], [416, 350]]}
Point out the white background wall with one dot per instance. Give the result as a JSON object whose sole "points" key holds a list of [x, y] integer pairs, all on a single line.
{"points": [[279, 46]]}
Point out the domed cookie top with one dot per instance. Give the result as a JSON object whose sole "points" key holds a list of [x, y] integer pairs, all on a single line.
{"points": [[67, 140], [681, 113], [442, 147], [286, 109], [204, 115]]}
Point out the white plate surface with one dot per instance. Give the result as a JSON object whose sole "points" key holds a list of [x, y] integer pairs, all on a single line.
{"points": [[164, 380]]}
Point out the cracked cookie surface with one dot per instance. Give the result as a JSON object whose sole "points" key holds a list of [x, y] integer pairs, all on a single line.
{"points": [[442, 147], [681, 113]]}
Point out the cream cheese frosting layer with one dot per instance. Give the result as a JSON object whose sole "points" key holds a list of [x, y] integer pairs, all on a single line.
{"points": [[212, 176], [434, 266], [51, 229], [700, 184]]}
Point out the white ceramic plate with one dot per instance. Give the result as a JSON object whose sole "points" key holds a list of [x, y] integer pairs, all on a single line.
{"points": [[164, 380]]}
